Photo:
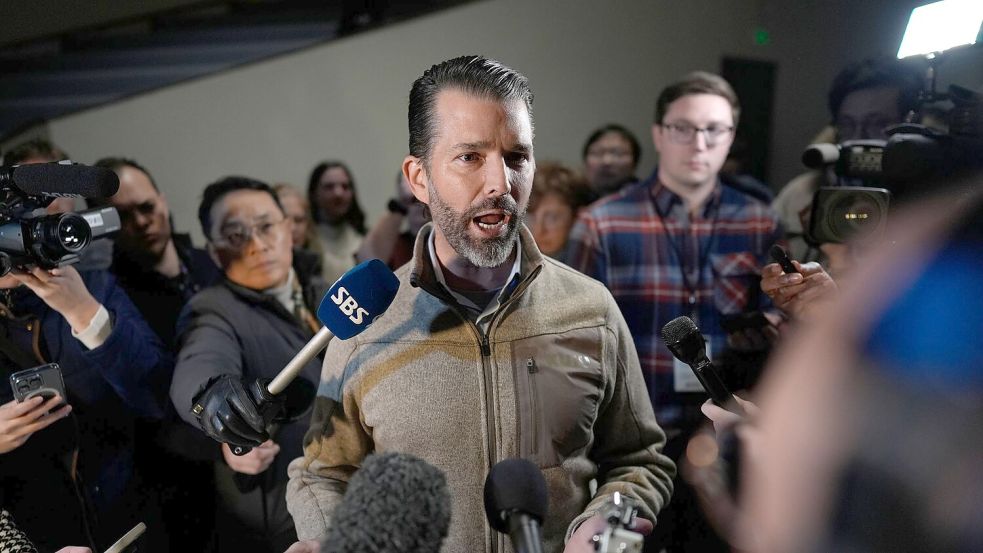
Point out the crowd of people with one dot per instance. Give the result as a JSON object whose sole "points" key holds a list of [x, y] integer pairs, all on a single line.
{"points": [[527, 324]]}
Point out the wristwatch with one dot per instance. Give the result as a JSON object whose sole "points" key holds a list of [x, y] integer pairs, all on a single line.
{"points": [[395, 206]]}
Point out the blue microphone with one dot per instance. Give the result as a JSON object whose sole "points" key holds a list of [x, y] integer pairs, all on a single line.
{"points": [[350, 306]]}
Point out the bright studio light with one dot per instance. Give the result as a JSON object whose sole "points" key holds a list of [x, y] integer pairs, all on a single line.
{"points": [[941, 25]]}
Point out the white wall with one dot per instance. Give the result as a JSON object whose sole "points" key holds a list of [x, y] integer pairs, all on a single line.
{"points": [[589, 63]]}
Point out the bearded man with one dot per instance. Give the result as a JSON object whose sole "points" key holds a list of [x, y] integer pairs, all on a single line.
{"points": [[490, 349]]}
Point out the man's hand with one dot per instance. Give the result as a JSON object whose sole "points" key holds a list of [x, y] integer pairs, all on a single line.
{"points": [[756, 339], [228, 413], [308, 546], [256, 461], [63, 290], [20, 420], [798, 294], [582, 539]]}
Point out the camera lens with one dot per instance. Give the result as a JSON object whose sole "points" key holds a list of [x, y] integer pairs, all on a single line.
{"points": [[854, 216], [60, 235], [72, 233]]}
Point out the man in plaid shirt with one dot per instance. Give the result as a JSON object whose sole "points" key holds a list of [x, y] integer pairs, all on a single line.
{"points": [[683, 242]]}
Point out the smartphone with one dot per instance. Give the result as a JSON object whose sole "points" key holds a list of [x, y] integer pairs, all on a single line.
{"points": [[128, 538], [44, 381], [742, 321], [780, 256]]}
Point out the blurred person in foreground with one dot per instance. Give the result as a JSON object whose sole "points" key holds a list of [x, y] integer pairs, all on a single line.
{"points": [[490, 350], [867, 437], [245, 328], [558, 194]]}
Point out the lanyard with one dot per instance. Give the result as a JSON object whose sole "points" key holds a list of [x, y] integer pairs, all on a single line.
{"points": [[702, 256]]}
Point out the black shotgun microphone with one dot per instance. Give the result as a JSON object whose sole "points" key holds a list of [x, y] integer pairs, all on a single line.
{"points": [[686, 343], [516, 502], [395, 503], [60, 179]]}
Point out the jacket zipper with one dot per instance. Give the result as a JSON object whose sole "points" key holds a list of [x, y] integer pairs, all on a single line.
{"points": [[532, 369]]}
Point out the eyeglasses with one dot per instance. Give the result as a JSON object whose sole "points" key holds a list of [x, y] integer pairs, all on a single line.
{"points": [[238, 235], [684, 133]]}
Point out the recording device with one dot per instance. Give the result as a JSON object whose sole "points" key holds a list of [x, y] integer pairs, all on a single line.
{"points": [[516, 502], [350, 306], [685, 341], [847, 213], [50, 241], [395, 503], [44, 380], [123, 545], [619, 512], [780, 256], [914, 153]]}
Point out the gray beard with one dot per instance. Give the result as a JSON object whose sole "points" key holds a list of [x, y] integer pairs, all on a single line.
{"points": [[485, 253]]}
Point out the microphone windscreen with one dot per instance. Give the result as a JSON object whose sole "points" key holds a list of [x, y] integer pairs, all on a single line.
{"points": [[357, 298], [514, 485], [66, 179], [395, 503], [677, 329]]}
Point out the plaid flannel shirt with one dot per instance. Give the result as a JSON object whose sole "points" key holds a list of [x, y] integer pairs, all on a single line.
{"points": [[659, 264]]}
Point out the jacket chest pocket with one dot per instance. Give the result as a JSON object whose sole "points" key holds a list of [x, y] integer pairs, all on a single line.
{"points": [[736, 280], [559, 382]]}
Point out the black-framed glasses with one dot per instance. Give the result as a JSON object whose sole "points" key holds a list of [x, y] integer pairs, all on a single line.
{"points": [[684, 133], [237, 235]]}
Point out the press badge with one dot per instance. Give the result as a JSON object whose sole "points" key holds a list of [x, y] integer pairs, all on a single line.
{"points": [[683, 377]]}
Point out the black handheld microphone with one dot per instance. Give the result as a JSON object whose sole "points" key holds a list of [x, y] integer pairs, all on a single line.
{"points": [[686, 343], [516, 502], [395, 503], [60, 179]]}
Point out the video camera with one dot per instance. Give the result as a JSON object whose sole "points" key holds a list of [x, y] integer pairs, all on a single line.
{"points": [[868, 173], [30, 238]]}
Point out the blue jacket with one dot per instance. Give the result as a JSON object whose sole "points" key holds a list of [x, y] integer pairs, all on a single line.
{"points": [[108, 387]]}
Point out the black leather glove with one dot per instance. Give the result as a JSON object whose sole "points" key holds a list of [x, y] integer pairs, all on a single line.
{"points": [[231, 413]]}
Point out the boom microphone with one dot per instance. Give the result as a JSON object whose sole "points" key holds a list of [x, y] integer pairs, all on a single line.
{"points": [[351, 304], [395, 503], [516, 502], [60, 179]]}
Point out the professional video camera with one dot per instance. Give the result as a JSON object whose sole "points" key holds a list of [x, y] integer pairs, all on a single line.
{"points": [[867, 173], [28, 237]]}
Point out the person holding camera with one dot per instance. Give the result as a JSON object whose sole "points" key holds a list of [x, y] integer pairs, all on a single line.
{"points": [[66, 462]]}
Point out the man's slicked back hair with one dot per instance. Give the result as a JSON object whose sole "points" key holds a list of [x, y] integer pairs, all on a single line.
{"points": [[474, 75]]}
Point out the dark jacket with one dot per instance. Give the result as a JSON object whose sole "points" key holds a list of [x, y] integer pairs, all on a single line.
{"points": [[230, 329], [159, 298], [109, 388]]}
